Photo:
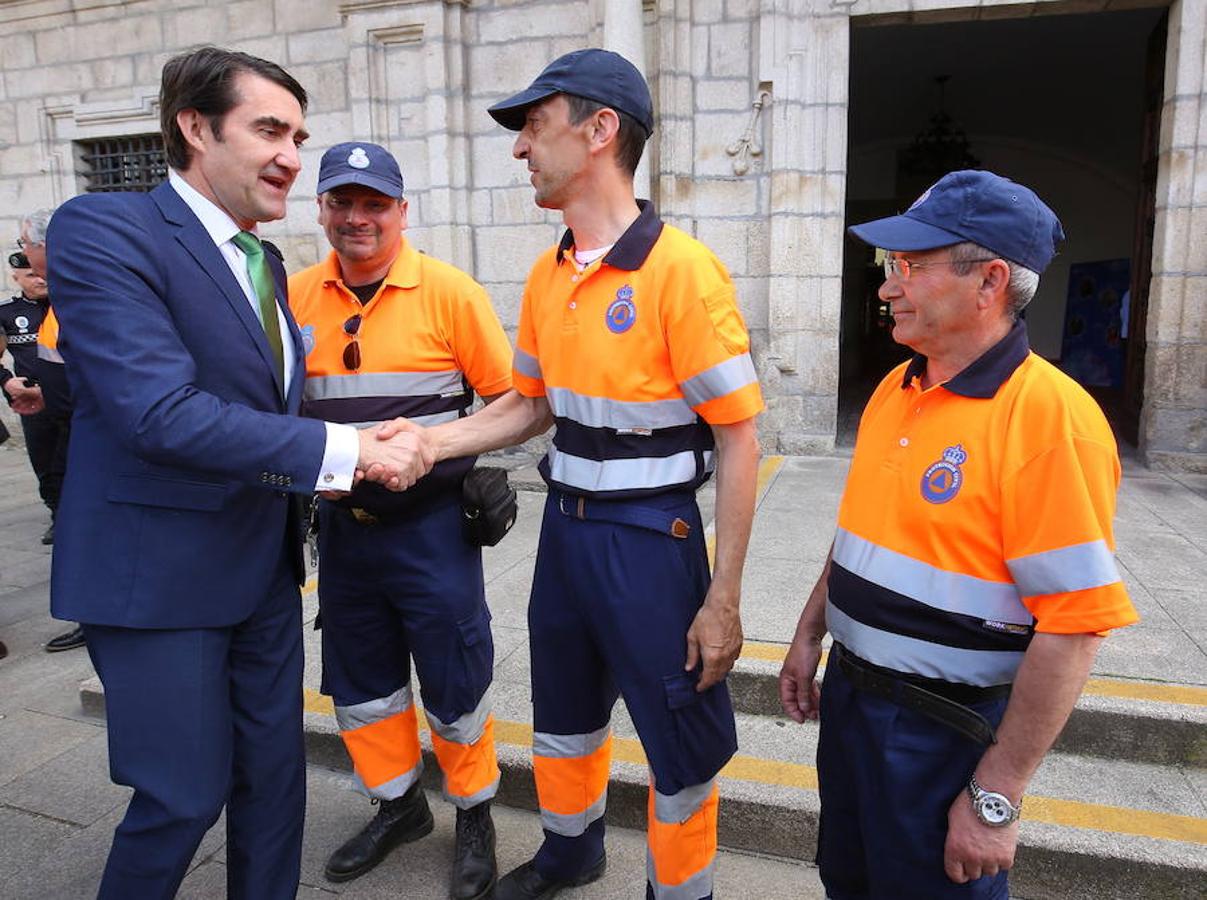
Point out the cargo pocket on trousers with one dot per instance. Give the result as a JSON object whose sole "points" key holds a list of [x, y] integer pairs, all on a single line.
{"points": [[703, 725], [473, 662]]}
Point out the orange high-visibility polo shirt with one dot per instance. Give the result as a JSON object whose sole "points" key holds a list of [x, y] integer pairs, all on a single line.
{"points": [[637, 353], [976, 512], [48, 338], [427, 337]]}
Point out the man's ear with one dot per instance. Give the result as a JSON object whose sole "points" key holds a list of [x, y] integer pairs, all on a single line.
{"points": [[193, 126], [995, 279], [605, 126]]}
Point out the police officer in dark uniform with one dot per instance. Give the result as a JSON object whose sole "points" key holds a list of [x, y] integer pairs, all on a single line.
{"points": [[45, 430]]}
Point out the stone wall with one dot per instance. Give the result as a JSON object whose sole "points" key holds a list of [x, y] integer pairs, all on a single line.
{"points": [[417, 75]]}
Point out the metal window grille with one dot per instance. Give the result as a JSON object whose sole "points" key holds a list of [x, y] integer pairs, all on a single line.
{"points": [[135, 163]]}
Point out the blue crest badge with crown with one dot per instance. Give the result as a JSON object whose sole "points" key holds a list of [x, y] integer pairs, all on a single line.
{"points": [[942, 480]]}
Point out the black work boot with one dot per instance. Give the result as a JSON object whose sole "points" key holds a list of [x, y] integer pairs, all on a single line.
{"points": [[526, 883], [397, 822], [474, 868]]}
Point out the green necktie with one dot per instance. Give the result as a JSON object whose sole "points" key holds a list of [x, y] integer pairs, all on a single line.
{"points": [[261, 279]]}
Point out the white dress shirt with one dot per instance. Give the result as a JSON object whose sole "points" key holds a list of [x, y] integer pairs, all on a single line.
{"points": [[343, 447]]}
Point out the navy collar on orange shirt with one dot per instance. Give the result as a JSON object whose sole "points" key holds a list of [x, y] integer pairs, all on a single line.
{"points": [[988, 372], [631, 249]]}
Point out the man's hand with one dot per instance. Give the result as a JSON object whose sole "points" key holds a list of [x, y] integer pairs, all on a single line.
{"points": [[974, 849], [26, 400], [715, 637], [800, 695], [393, 458]]}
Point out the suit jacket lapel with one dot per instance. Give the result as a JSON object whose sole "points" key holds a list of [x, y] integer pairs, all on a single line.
{"points": [[293, 398], [196, 240]]}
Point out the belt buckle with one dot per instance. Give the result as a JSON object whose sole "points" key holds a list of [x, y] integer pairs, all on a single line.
{"points": [[363, 516], [580, 507]]}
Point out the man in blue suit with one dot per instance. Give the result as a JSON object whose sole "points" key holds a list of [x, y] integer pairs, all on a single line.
{"points": [[177, 545]]}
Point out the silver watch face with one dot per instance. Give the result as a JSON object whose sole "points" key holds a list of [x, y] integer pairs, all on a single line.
{"points": [[994, 809]]}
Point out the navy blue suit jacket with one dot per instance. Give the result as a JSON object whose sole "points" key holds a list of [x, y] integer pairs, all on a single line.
{"points": [[176, 509]]}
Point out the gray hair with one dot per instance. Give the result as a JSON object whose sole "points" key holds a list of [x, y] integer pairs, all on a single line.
{"points": [[34, 225], [1020, 288]]}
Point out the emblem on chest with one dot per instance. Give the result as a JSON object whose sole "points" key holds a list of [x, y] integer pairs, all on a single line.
{"points": [[942, 480], [622, 312]]}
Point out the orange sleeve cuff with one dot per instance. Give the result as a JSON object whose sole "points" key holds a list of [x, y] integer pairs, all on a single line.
{"points": [[1097, 609], [526, 386], [744, 403]]}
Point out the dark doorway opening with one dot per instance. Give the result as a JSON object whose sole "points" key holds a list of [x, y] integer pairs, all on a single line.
{"points": [[1066, 104]]}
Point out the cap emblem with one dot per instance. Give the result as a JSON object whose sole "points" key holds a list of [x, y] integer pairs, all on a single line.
{"points": [[358, 159], [925, 196]]}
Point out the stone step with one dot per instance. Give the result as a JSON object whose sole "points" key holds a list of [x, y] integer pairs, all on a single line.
{"points": [[1143, 835], [1116, 718]]}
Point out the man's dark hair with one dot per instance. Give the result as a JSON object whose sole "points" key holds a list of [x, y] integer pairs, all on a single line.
{"points": [[630, 139], [204, 80]]}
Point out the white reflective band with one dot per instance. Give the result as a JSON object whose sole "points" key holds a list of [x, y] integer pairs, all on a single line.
{"points": [[473, 799], [574, 824], [1067, 569], [395, 787], [425, 421], [983, 668], [951, 592], [697, 886], [675, 809], [722, 379], [568, 746], [623, 474], [526, 364], [384, 384], [468, 727], [50, 354], [349, 718], [600, 412]]}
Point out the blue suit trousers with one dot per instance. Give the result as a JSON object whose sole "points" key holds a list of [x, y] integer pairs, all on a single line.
{"points": [[200, 719]]}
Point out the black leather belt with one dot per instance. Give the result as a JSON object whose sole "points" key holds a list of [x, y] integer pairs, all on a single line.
{"points": [[968, 722]]}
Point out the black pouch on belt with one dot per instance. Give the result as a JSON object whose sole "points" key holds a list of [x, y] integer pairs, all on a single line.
{"points": [[488, 506]]}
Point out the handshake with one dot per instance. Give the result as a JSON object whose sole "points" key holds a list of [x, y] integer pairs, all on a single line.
{"points": [[395, 454]]}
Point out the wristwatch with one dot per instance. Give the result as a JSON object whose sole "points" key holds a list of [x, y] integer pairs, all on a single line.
{"points": [[992, 808]]}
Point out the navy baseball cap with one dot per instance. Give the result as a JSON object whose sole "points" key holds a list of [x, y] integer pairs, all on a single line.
{"points": [[977, 206], [360, 163], [599, 75]]}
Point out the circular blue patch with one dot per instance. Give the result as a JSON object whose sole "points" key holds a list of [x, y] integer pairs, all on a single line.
{"points": [[621, 315], [940, 482]]}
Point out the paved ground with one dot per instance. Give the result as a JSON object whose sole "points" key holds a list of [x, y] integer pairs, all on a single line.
{"points": [[57, 807]]}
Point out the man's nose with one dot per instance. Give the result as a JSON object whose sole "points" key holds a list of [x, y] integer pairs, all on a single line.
{"points": [[520, 148], [290, 158]]}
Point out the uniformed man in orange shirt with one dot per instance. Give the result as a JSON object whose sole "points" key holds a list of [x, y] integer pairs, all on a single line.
{"points": [[631, 343], [389, 331], [972, 576]]}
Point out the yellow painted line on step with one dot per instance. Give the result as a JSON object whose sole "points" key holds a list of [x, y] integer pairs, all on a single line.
{"points": [[767, 469], [1049, 810], [1117, 819], [1181, 694], [1184, 694]]}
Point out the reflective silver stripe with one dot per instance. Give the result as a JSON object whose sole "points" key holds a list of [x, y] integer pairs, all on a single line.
{"points": [[675, 809], [526, 364], [600, 412], [568, 746], [425, 421], [723, 378], [572, 825], [395, 787], [473, 799], [384, 384], [468, 727], [951, 592], [623, 474], [50, 354], [699, 885], [1075, 568], [350, 718], [982, 668], [23, 339]]}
